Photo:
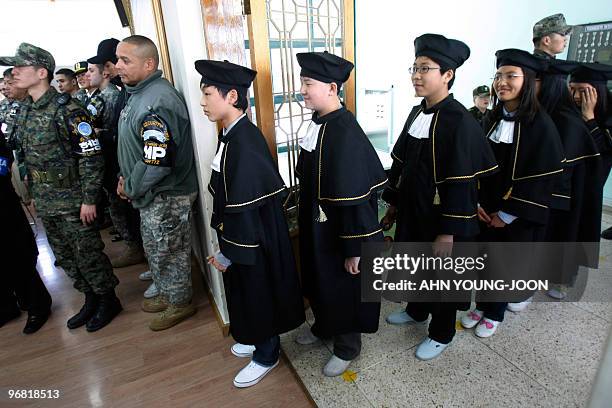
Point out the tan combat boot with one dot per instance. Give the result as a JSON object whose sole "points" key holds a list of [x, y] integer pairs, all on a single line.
{"points": [[155, 304], [172, 316], [132, 255]]}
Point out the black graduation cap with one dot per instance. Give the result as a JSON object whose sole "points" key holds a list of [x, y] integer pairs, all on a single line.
{"points": [[559, 67], [324, 67], [592, 72], [224, 74], [520, 58], [446, 51]]}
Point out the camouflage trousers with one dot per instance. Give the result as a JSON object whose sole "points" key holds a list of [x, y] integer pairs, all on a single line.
{"points": [[79, 251], [166, 236], [125, 218]]}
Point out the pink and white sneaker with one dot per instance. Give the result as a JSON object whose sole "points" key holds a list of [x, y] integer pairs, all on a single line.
{"points": [[486, 328], [471, 319]]}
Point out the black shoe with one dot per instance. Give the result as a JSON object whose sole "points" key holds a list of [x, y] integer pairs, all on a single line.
{"points": [[113, 231], [86, 312], [607, 234], [7, 317], [117, 238], [35, 322], [108, 308]]}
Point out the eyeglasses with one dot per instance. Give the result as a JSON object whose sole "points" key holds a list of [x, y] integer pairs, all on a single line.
{"points": [[420, 70], [506, 77]]}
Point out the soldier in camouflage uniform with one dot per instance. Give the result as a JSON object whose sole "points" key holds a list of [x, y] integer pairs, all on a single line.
{"points": [[64, 165], [102, 107], [551, 36], [158, 175], [122, 211], [482, 99]]}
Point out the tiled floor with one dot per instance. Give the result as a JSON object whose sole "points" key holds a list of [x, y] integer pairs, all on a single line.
{"points": [[545, 356]]}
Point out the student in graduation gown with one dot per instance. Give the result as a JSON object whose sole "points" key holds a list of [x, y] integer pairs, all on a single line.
{"points": [[588, 84], [515, 202], [260, 276], [566, 207], [340, 175], [437, 161]]}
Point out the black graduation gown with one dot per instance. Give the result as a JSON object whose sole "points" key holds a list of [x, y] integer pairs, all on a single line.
{"points": [[16, 239], [338, 211], [568, 197], [433, 182], [261, 285], [597, 174]]}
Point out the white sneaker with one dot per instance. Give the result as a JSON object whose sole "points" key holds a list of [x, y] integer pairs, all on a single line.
{"points": [[401, 317], [519, 307], [430, 349], [151, 291], [305, 337], [335, 366], [242, 350], [251, 374], [486, 328], [558, 291], [146, 276], [471, 319]]}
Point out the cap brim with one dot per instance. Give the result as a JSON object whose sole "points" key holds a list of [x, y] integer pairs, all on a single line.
{"points": [[96, 60], [8, 61]]}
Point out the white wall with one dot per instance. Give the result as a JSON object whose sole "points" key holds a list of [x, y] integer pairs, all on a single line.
{"points": [[386, 29], [185, 36], [68, 29]]}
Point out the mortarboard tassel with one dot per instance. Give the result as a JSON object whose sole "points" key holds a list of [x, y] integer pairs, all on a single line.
{"points": [[507, 196], [321, 217], [436, 200]]}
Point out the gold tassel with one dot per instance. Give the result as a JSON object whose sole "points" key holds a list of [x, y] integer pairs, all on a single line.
{"points": [[321, 217], [507, 196], [436, 198]]}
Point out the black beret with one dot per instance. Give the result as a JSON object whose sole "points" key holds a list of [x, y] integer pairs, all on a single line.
{"points": [[446, 51], [592, 72], [324, 67], [520, 58], [225, 74]]}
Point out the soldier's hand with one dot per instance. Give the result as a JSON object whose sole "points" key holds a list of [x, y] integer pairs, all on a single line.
{"points": [[88, 213], [120, 190]]}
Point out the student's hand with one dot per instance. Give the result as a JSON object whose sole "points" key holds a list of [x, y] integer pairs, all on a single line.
{"points": [[496, 222], [352, 265], [389, 218], [589, 100], [443, 245], [88, 213], [483, 216], [213, 261]]}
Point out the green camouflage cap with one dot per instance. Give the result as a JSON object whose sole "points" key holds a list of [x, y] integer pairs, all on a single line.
{"points": [[481, 91], [27, 55], [551, 24]]}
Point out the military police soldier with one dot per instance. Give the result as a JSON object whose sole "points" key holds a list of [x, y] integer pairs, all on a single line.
{"points": [[158, 175], [551, 36], [64, 165], [482, 99]]}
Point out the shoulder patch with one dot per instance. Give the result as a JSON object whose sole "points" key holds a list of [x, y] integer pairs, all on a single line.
{"points": [[63, 98], [158, 146]]}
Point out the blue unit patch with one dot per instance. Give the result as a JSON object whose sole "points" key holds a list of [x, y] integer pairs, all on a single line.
{"points": [[84, 129]]}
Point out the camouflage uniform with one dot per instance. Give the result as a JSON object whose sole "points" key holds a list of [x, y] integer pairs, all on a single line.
{"points": [[81, 96], [64, 165], [166, 236], [549, 25]]}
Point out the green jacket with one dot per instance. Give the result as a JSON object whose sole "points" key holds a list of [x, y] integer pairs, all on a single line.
{"points": [[62, 154], [154, 142]]}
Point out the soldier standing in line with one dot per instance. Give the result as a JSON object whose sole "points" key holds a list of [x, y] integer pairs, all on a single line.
{"points": [[65, 168], [551, 36]]}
